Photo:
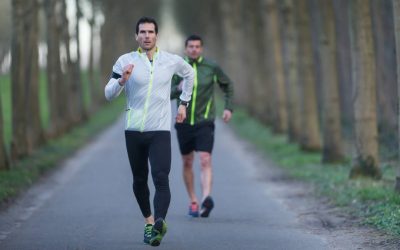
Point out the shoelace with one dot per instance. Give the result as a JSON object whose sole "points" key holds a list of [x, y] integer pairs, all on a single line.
{"points": [[147, 231]]}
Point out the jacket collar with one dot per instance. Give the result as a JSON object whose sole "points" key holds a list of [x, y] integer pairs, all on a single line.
{"points": [[191, 61]]}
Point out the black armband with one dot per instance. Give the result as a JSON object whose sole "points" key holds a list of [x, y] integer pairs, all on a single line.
{"points": [[115, 75]]}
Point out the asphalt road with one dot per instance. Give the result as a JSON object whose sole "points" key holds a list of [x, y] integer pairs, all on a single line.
{"points": [[87, 203]]}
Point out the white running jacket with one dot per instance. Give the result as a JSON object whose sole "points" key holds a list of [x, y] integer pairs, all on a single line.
{"points": [[148, 105]]}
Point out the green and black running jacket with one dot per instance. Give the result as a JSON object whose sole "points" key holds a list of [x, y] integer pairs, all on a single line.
{"points": [[202, 105]]}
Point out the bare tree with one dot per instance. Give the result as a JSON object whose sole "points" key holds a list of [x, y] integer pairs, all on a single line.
{"points": [[68, 77], [4, 160], [5, 29], [231, 14], [332, 131], [384, 44], [260, 103], [310, 138], [27, 131], [94, 86], [56, 82], [272, 24], [396, 15], [290, 53], [366, 162], [80, 109]]}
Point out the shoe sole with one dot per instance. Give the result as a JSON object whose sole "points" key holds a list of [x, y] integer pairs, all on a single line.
{"points": [[194, 214]]}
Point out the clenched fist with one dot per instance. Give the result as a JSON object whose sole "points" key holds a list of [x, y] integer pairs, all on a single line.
{"points": [[126, 73]]}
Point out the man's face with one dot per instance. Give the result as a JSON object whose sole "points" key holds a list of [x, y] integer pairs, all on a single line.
{"points": [[194, 49], [146, 37]]}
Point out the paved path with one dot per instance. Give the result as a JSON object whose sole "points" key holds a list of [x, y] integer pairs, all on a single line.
{"points": [[88, 204]]}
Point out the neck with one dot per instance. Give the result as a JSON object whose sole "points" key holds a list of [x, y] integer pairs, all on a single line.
{"points": [[194, 59], [150, 52]]}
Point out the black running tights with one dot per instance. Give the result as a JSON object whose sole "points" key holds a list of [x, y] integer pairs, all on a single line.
{"points": [[153, 146]]}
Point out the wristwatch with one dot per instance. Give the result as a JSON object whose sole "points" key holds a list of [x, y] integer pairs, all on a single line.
{"points": [[186, 104]]}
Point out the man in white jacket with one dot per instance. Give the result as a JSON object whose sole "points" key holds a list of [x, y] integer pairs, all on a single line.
{"points": [[145, 75]]}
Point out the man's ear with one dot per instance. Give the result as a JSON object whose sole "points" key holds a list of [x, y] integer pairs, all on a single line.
{"points": [[136, 37]]}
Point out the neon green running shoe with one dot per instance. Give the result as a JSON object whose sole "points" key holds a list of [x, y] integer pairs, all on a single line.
{"points": [[148, 228], [158, 232]]}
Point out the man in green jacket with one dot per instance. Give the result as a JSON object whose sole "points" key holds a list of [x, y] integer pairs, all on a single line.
{"points": [[196, 133]]}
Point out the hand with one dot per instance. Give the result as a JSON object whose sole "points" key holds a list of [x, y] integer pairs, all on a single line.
{"points": [[226, 116], [181, 116], [126, 73]]}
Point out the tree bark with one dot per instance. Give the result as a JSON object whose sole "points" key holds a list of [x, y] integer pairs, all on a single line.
{"points": [[396, 15], [81, 111], [4, 159], [384, 43], [332, 131], [55, 79], [27, 130], [344, 65], [232, 36], [271, 22], [310, 133], [290, 60], [366, 162], [259, 101], [69, 118], [94, 88]]}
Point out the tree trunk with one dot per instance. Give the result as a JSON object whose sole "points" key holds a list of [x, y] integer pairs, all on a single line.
{"points": [[232, 36], [310, 134], [396, 15], [271, 22], [94, 88], [69, 118], [257, 83], [55, 77], [27, 130], [78, 88], [366, 162], [332, 131], [344, 66], [4, 160], [290, 53], [384, 41]]}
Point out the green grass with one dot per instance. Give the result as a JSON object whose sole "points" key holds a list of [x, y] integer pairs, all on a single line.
{"points": [[374, 201], [27, 171]]}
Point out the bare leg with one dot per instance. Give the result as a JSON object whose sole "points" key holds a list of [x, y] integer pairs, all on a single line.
{"points": [[188, 175], [206, 173]]}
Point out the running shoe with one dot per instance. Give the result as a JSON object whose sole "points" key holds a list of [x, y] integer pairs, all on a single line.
{"points": [[206, 206], [148, 228], [194, 209], [158, 232]]}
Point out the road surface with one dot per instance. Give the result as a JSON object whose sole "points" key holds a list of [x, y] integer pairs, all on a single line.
{"points": [[87, 203]]}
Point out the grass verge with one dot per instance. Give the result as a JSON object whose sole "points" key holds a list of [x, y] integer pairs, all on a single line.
{"points": [[28, 170], [373, 201]]}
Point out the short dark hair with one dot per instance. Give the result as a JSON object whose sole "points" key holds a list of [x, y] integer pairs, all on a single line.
{"points": [[194, 38], [146, 19]]}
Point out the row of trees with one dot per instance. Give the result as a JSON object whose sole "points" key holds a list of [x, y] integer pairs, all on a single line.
{"points": [[310, 54], [63, 73], [312, 69]]}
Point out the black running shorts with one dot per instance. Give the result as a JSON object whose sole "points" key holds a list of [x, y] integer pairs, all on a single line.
{"points": [[199, 137]]}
